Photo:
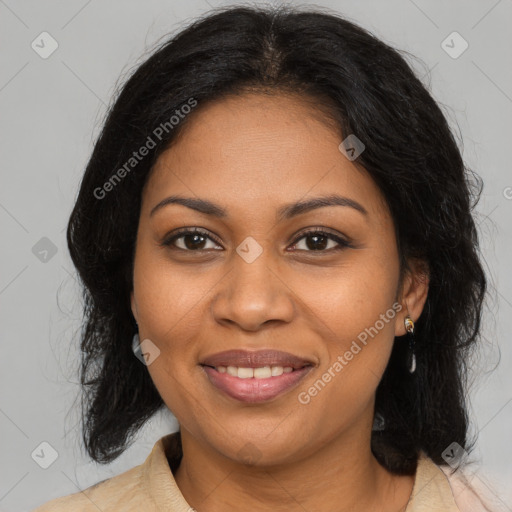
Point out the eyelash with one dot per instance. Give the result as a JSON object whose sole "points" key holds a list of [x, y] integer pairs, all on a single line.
{"points": [[342, 243]]}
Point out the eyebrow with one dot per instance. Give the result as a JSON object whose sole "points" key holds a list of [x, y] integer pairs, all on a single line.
{"points": [[285, 212]]}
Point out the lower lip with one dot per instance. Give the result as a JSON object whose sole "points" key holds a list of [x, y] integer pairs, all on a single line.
{"points": [[255, 390]]}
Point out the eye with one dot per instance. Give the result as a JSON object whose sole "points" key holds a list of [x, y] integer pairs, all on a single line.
{"points": [[319, 240], [191, 240], [314, 240]]}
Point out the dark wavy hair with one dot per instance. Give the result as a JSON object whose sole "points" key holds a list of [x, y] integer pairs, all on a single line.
{"points": [[370, 90]]}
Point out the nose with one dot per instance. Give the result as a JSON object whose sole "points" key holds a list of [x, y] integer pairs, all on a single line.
{"points": [[252, 295]]}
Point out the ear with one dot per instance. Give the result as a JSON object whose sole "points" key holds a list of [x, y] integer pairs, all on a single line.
{"points": [[134, 306], [413, 293]]}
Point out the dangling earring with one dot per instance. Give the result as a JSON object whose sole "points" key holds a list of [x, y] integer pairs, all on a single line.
{"points": [[135, 339], [135, 343], [411, 356]]}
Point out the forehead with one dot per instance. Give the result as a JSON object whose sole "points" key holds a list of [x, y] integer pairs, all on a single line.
{"points": [[257, 149]]}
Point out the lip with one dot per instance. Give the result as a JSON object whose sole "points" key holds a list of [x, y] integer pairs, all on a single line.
{"points": [[256, 359], [255, 390]]}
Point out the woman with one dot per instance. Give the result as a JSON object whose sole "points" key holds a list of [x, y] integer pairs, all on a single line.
{"points": [[275, 239]]}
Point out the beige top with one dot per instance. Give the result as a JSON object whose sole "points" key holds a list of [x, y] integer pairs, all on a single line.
{"points": [[150, 487]]}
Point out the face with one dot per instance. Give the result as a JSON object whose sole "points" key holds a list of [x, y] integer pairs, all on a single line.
{"points": [[258, 277]]}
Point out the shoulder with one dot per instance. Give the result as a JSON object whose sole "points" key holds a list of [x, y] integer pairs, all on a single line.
{"points": [[431, 490], [449, 490], [472, 493], [150, 486], [108, 495], [438, 487]]}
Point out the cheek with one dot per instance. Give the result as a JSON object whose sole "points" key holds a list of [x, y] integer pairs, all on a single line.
{"points": [[351, 297], [355, 360], [172, 304], [363, 299], [170, 299], [169, 314], [355, 315]]}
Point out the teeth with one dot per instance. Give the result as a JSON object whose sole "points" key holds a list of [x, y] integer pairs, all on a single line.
{"points": [[262, 373], [245, 373], [232, 370], [277, 370], [258, 373]]}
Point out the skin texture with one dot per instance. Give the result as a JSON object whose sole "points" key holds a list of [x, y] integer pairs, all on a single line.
{"points": [[251, 154]]}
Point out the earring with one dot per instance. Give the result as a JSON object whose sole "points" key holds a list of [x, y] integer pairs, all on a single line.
{"points": [[411, 356], [135, 342]]}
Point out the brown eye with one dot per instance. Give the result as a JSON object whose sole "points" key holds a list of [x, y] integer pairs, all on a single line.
{"points": [[191, 240], [319, 241]]}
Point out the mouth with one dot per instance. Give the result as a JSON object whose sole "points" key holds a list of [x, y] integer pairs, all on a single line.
{"points": [[254, 377]]}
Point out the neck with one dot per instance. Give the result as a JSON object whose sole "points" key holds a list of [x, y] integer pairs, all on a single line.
{"points": [[342, 475]]}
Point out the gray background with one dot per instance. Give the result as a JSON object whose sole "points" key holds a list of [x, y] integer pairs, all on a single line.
{"points": [[51, 112]]}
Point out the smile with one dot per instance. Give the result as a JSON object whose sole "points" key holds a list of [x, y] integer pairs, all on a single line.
{"points": [[255, 385]]}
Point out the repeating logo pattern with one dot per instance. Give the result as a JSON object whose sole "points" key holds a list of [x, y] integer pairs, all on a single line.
{"points": [[464, 43]]}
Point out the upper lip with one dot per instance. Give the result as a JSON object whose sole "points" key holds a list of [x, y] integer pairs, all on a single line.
{"points": [[255, 359]]}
